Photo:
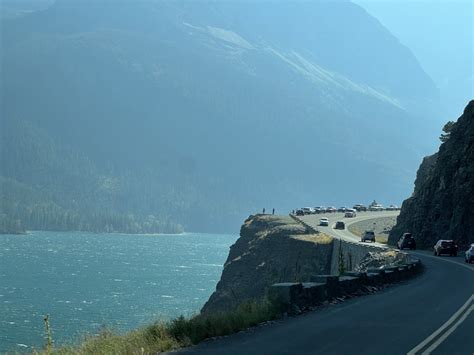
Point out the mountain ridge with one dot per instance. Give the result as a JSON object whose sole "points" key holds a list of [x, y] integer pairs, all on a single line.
{"points": [[215, 104]]}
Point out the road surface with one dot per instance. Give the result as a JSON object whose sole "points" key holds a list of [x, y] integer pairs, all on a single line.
{"points": [[313, 221], [433, 313]]}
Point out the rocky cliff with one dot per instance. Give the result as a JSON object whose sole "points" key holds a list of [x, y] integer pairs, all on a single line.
{"points": [[270, 249], [441, 206]]}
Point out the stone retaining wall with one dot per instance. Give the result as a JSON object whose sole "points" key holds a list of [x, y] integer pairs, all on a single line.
{"points": [[352, 254], [297, 296]]}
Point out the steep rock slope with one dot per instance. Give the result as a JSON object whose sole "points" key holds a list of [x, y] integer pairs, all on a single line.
{"points": [[441, 206], [270, 249]]}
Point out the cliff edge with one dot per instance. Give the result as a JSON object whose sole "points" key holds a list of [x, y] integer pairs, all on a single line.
{"points": [[441, 206], [270, 249]]}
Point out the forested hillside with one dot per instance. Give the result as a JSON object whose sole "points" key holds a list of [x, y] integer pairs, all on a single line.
{"points": [[145, 116]]}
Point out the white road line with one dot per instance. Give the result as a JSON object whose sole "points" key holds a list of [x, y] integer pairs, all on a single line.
{"points": [[442, 328], [443, 337], [443, 259]]}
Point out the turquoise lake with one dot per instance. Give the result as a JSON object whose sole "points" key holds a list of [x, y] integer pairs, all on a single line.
{"points": [[86, 282]]}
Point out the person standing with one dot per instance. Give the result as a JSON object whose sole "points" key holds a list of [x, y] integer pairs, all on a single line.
{"points": [[273, 211], [263, 212]]}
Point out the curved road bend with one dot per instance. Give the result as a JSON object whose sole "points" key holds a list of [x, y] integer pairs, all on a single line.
{"points": [[313, 221], [433, 313]]}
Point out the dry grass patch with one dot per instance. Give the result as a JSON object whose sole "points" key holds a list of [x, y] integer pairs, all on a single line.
{"points": [[319, 238], [175, 334]]}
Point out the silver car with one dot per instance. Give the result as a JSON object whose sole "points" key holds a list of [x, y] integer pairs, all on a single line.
{"points": [[469, 255]]}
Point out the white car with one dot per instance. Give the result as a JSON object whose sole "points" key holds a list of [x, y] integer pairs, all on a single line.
{"points": [[324, 222], [350, 214], [307, 210], [470, 254]]}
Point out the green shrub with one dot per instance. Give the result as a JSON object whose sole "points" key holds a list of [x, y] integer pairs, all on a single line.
{"points": [[179, 332]]}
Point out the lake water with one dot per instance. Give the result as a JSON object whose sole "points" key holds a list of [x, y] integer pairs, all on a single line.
{"points": [[87, 281]]}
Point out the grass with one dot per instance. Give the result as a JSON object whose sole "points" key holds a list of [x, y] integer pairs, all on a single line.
{"points": [[175, 334], [320, 238]]}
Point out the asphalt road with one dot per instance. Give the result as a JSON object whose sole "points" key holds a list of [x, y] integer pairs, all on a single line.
{"points": [[433, 313], [313, 221]]}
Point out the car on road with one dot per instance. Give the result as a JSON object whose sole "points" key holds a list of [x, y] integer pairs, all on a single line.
{"points": [[469, 255], [448, 247], [324, 222], [350, 214], [392, 208], [360, 208], [299, 212], [307, 210], [340, 225], [406, 241], [376, 208], [368, 236]]}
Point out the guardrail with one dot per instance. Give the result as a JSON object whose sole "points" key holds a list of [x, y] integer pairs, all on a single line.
{"points": [[298, 296], [306, 225]]}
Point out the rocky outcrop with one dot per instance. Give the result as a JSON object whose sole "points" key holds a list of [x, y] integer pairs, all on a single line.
{"points": [[271, 249], [441, 206]]}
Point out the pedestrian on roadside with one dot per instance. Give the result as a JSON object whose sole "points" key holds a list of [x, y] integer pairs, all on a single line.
{"points": [[263, 210], [273, 211]]}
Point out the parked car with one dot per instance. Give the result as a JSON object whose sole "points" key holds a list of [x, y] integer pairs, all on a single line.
{"points": [[406, 241], [360, 208], [350, 214], [331, 209], [307, 210], [376, 208], [324, 222], [448, 247], [340, 225], [299, 212], [368, 236], [469, 255], [392, 208], [342, 209]]}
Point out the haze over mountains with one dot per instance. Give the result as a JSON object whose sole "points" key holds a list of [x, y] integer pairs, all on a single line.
{"points": [[138, 116], [441, 35]]}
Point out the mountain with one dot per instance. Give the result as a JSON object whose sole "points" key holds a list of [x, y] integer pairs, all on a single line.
{"points": [[441, 204], [197, 113], [437, 32]]}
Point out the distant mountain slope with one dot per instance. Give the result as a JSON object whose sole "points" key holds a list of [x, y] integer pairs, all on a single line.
{"points": [[441, 205], [207, 111]]}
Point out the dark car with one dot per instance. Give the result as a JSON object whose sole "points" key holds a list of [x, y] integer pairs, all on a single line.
{"points": [[368, 236], [448, 247], [406, 241], [299, 212], [360, 208], [340, 225]]}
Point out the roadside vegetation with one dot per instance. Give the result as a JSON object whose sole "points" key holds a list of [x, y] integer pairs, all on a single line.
{"points": [[175, 334]]}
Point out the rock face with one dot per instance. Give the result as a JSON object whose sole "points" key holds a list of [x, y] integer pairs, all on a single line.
{"points": [[270, 249], [441, 206]]}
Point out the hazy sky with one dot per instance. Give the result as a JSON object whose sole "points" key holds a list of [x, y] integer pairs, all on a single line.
{"points": [[440, 33]]}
